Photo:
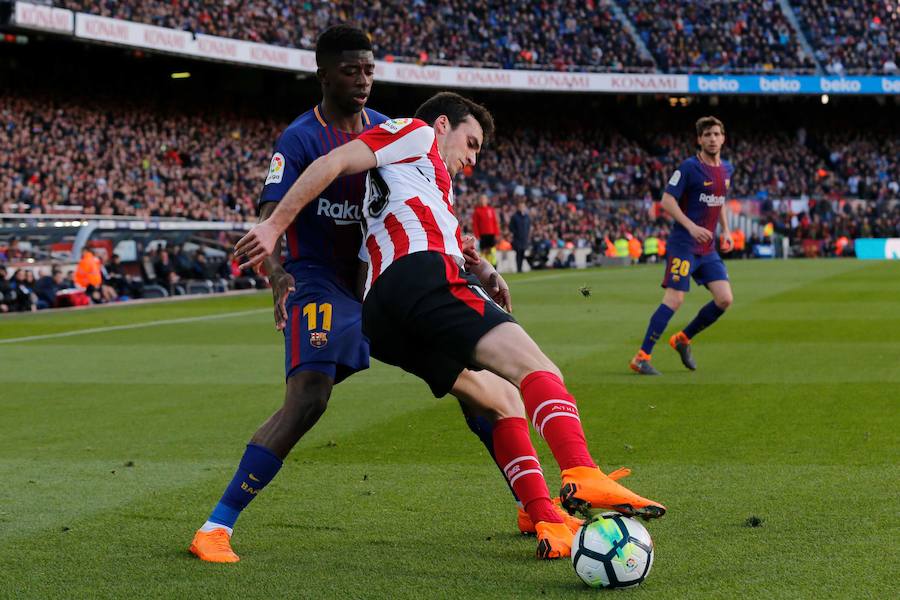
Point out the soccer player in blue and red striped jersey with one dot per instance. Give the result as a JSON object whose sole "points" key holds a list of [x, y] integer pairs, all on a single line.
{"points": [[695, 197]]}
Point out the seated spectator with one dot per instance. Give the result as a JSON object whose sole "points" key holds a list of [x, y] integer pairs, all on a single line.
{"points": [[6, 298], [165, 273], [200, 268], [47, 287], [88, 275], [23, 297], [115, 277]]}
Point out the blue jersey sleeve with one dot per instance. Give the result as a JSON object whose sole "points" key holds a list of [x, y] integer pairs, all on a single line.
{"points": [[678, 181], [288, 161]]}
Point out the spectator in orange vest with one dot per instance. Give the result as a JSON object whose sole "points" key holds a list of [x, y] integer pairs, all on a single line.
{"points": [[610, 247], [841, 245], [740, 242], [635, 249], [662, 246], [87, 274]]}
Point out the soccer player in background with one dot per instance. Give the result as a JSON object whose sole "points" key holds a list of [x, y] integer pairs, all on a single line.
{"points": [[315, 291], [695, 197], [486, 228], [424, 313]]}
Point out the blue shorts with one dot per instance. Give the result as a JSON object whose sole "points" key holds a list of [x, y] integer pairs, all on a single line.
{"points": [[682, 264], [324, 331]]}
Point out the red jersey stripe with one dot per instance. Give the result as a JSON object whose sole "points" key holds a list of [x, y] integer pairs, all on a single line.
{"points": [[378, 137], [442, 178], [426, 219], [374, 257], [459, 287], [398, 236]]}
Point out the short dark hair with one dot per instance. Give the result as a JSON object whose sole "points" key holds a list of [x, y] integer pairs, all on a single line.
{"points": [[704, 123], [456, 108], [340, 38]]}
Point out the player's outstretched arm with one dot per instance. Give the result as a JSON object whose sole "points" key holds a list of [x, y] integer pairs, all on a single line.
{"points": [[281, 281], [353, 157], [670, 204]]}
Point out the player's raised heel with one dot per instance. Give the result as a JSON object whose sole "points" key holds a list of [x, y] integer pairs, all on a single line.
{"points": [[554, 540], [640, 364], [526, 526], [588, 488], [682, 345], [213, 546]]}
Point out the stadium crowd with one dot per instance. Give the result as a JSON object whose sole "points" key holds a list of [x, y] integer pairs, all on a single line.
{"points": [[687, 36], [682, 35], [107, 157], [563, 35], [853, 36]]}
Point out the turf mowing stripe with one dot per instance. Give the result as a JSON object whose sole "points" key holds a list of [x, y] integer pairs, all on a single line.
{"points": [[32, 338]]}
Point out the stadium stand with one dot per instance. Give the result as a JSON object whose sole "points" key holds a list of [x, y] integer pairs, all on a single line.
{"points": [[852, 36], [686, 36], [568, 35], [109, 157]]}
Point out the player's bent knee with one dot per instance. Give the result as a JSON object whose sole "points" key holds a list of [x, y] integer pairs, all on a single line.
{"points": [[673, 299], [509, 404], [724, 302]]}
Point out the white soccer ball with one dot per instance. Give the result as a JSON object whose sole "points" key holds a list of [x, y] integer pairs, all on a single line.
{"points": [[612, 551]]}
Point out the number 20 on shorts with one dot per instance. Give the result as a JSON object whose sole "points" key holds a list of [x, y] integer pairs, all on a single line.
{"points": [[312, 310], [680, 267]]}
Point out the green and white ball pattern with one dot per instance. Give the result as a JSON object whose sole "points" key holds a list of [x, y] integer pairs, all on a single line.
{"points": [[612, 551]]}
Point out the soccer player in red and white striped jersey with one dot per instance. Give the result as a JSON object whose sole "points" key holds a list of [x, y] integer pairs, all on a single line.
{"points": [[425, 313]]}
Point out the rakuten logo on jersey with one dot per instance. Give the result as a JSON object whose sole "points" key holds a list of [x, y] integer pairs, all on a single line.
{"points": [[712, 199], [343, 213]]}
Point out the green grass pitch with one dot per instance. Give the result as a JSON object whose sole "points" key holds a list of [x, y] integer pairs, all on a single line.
{"points": [[115, 444]]}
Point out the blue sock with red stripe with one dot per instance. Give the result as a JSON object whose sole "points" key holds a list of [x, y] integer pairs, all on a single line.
{"points": [[257, 468], [705, 317], [658, 323]]}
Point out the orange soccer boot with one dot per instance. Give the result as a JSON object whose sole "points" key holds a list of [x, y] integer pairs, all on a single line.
{"points": [[526, 526], [554, 540], [641, 364], [213, 546], [586, 488], [682, 345]]}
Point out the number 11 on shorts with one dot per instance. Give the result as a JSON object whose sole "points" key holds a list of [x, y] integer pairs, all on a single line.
{"points": [[311, 312]]}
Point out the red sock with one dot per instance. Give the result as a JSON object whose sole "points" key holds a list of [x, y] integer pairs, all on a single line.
{"points": [[516, 455], [553, 413]]}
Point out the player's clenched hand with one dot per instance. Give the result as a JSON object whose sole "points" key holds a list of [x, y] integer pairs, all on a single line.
{"points": [[701, 234], [469, 252], [727, 242], [499, 291], [282, 286], [257, 244]]}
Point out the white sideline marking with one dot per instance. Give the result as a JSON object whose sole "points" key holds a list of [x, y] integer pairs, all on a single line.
{"points": [[48, 336]]}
